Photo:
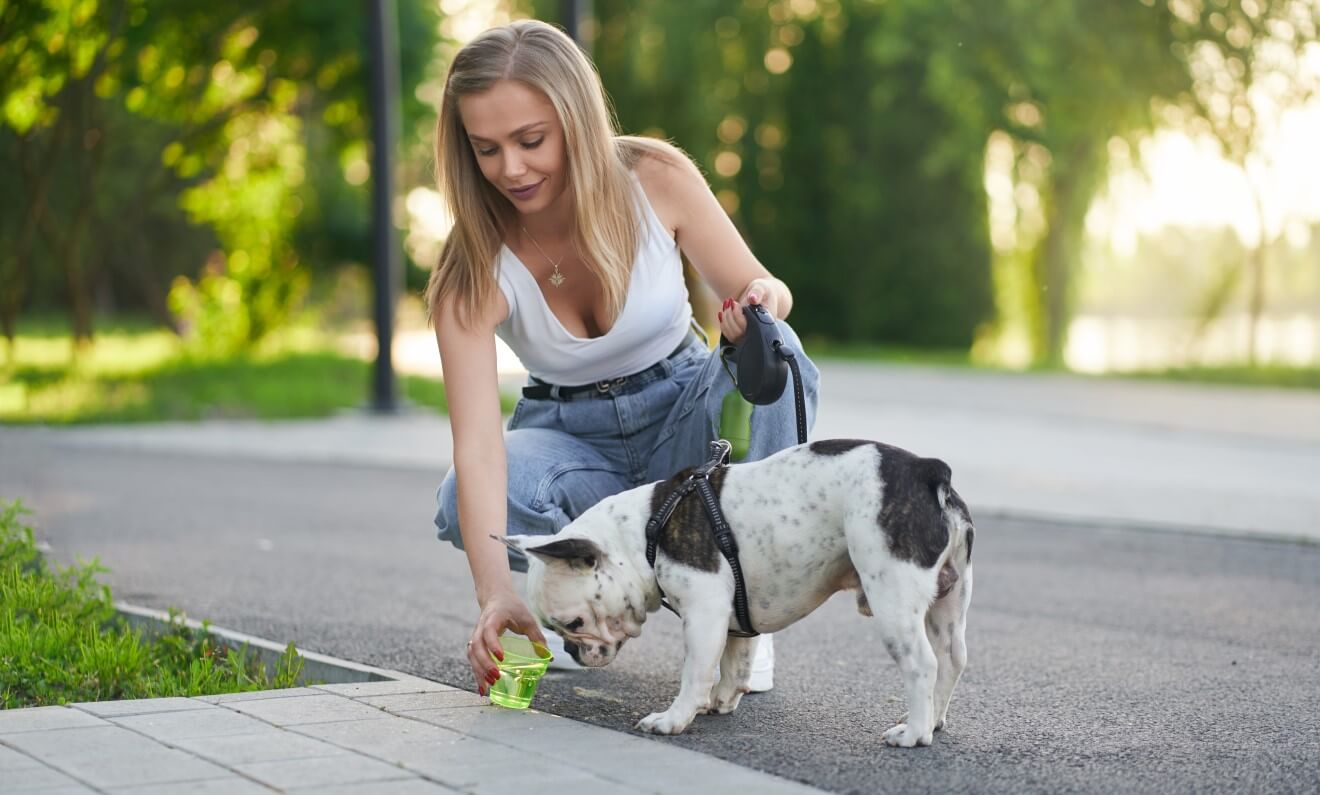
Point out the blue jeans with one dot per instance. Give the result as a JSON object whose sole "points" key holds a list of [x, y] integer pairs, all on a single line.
{"points": [[564, 456]]}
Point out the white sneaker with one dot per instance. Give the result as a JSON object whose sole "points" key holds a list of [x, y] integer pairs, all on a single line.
{"points": [[562, 661], [763, 666]]}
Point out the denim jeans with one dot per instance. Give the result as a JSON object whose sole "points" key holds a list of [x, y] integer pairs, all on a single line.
{"points": [[564, 456]]}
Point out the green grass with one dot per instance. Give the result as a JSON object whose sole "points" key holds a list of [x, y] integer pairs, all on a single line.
{"points": [[133, 372], [1236, 375], [1264, 375], [61, 640]]}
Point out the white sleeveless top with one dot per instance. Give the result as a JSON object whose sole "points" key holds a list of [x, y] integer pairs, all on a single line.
{"points": [[655, 316]]}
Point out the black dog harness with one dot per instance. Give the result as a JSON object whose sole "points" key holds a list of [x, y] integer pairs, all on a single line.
{"points": [[699, 481], [762, 376]]}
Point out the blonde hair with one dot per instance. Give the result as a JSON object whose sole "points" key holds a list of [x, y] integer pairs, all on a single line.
{"points": [[606, 225]]}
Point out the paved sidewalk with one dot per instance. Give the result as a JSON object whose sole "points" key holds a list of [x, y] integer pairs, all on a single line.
{"points": [[1213, 459], [393, 738]]}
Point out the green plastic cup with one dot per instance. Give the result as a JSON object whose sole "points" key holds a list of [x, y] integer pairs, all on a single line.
{"points": [[523, 665]]}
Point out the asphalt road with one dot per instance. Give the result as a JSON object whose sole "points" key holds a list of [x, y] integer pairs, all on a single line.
{"points": [[1101, 659]]}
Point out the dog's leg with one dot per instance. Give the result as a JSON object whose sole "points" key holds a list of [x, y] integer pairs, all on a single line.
{"points": [[735, 670], [705, 630], [946, 628], [905, 591]]}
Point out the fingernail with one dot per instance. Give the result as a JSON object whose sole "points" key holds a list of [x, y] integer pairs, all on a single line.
{"points": [[719, 316]]}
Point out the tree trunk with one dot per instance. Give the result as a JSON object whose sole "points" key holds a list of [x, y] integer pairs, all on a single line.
{"points": [[1068, 198], [1256, 300]]}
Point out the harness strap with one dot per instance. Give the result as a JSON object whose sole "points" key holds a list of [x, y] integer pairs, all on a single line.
{"points": [[699, 481]]}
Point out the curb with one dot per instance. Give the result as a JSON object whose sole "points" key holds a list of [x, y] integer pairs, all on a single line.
{"points": [[1075, 522], [316, 667]]}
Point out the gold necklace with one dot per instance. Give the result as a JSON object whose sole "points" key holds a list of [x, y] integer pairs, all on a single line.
{"points": [[556, 278]]}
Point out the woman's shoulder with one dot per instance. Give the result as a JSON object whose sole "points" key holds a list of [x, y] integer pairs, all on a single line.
{"points": [[657, 162], [667, 176]]}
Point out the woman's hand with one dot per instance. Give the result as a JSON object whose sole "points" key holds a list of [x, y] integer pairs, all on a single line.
{"points": [[500, 611], [768, 292]]}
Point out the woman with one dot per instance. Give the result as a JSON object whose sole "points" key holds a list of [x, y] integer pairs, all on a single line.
{"points": [[566, 246]]}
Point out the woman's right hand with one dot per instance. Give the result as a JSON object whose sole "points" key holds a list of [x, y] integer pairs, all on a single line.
{"points": [[500, 611]]}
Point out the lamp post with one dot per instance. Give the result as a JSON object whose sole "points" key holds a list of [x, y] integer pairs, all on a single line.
{"points": [[383, 30]]}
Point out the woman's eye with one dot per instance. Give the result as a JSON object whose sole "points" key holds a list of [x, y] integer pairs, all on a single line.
{"points": [[532, 144], [486, 152]]}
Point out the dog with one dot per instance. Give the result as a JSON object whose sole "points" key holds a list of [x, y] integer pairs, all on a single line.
{"points": [[809, 521]]}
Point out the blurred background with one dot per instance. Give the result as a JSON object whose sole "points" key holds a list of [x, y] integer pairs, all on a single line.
{"points": [[1118, 187]]}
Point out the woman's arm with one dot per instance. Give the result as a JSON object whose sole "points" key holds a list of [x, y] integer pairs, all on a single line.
{"points": [[704, 232], [472, 391]]}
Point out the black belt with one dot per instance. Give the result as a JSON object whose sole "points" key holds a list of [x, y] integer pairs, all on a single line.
{"points": [[540, 390]]}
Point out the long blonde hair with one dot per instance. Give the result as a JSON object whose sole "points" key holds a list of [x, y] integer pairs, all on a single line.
{"points": [[606, 225]]}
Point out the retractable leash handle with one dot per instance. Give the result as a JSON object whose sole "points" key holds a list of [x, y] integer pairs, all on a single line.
{"points": [[763, 363]]}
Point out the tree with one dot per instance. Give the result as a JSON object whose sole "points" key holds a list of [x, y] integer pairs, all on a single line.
{"points": [[1061, 79], [1249, 60], [133, 121]]}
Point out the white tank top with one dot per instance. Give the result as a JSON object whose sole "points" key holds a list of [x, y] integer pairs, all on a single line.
{"points": [[655, 316]]}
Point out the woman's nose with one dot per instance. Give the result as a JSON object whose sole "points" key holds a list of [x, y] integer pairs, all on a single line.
{"points": [[514, 166]]}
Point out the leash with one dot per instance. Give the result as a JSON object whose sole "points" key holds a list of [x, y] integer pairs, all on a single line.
{"points": [[699, 481], [762, 376]]}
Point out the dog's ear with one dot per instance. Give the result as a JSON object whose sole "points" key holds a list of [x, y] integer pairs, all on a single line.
{"points": [[576, 552]]}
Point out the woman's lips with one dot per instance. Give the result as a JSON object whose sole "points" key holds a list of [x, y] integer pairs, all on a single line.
{"points": [[525, 193]]}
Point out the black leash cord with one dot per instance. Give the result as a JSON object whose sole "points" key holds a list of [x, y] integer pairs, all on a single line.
{"points": [[799, 399]]}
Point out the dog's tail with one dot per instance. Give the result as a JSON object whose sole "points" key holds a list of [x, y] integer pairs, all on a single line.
{"points": [[957, 519]]}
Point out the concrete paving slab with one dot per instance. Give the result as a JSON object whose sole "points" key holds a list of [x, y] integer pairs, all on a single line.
{"points": [[37, 778], [270, 745], [411, 743], [136, 706], [112, 756], [318, 708], [228, 785], [406, 702], [206, 722], [408, 787], [342, 768], [359, 690], [259, 695], [35, 719]]}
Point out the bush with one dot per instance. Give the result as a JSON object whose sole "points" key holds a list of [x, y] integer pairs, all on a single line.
{"points": [[61, 639]]}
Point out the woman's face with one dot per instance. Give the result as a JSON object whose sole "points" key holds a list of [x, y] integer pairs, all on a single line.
{"points": [[518, 141]]}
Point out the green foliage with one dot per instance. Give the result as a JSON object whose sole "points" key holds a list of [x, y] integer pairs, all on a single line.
{"points": [[153, 141], [137, 374], [820, 132], [61, 640]]}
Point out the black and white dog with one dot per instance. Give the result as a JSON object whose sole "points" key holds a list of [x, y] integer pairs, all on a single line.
{"points": [[809, 521]]}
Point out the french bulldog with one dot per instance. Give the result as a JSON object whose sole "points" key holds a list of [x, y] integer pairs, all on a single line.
{"points": [[809, 521]]}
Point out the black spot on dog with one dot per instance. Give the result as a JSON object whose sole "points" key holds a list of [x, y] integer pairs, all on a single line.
{"points": [[971, 536], [910, 514], [836, 446], [688, 536]]}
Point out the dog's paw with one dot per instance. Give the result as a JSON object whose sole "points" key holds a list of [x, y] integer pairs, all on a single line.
{"points": [[724, 703], [939, 724], [663, 723], [904, 736]]}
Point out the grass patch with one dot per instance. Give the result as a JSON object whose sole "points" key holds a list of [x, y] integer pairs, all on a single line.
{"points": [[1265, 375], [61, 640], [821, 348], [133, 372]]}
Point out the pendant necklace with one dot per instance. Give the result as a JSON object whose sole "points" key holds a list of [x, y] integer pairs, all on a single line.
{"points": [[556, 278]]}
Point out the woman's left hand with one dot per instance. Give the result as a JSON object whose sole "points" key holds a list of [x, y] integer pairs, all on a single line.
{"points": [[766, 292]]}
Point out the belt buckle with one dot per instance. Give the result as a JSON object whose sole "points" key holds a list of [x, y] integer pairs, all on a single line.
{"points": [[603, 387]]}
